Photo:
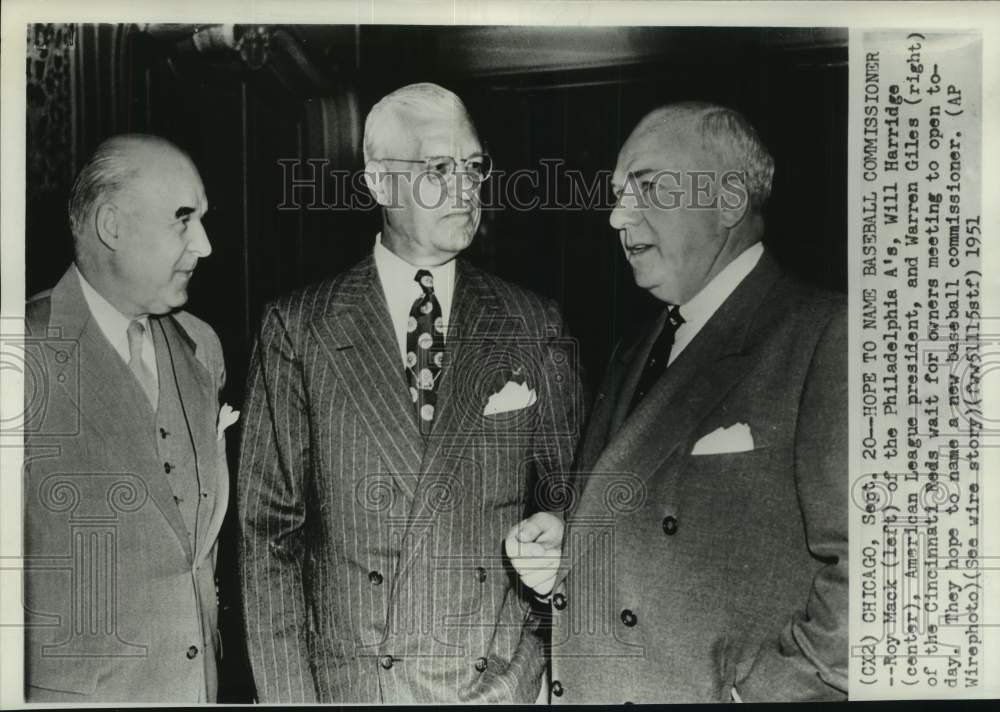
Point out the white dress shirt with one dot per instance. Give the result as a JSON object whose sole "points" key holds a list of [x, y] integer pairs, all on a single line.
{"points": [[114, 325], [401, 290], [700, 308]]}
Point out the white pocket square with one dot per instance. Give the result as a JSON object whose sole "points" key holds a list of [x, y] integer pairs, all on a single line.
{"points": [[227, 416], [735, 438], [513, 396]]}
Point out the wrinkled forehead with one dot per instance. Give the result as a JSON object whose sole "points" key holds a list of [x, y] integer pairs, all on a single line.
{"points": [[167, 182], [439, 134], [662, 149]]}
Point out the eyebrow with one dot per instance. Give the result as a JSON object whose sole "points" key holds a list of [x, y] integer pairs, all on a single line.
{"points": [[638, 175]]}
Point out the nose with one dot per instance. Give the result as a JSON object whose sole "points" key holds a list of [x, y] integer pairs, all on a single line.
{"points": [[198, 243], [463, 187], [624, 212]]}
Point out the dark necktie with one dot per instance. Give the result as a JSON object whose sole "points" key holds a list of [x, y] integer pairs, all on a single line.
{"points": [[424, 348], [659, 355]]}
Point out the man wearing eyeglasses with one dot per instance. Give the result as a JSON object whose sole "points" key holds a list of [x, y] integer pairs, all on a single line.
{"points": [[401, 417]]}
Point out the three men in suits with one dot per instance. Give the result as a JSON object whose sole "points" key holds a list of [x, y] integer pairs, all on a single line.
{"points": [[399, 417], [705, 558], [126, 482]]}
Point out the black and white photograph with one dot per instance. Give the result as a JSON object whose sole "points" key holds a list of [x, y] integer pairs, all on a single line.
{"points": [[371, 359]]}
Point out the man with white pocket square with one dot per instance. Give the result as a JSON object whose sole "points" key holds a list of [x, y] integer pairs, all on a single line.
{"points": [[126, 483], [399, 416], [721, 574]]}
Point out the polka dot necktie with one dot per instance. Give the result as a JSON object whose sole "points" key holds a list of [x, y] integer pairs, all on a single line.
{"points": [[659, 356], [424, 348]]}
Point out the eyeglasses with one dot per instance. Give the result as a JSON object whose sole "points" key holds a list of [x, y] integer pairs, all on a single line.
{"points": [[479, 165]]}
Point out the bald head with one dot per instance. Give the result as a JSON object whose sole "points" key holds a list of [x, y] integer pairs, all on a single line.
{"points": [[723, 134], [117, 164], [136, 211]]}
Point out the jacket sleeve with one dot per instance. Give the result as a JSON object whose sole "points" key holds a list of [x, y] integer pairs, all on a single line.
{"points": [[274, 468], [808, 659]]}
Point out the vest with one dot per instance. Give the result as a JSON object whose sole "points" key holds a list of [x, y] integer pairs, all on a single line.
{"points": [[174, 444]]}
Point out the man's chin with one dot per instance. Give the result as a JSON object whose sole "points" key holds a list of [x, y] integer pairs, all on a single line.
{"points": [[458, 240], [174, 301]]}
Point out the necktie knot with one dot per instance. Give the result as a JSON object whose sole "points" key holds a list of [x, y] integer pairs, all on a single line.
{"points": [[426, 281], [674, 317], [135, 333]]}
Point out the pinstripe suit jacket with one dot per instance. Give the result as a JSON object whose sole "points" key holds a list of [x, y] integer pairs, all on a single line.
{"points": [[371, 554]]}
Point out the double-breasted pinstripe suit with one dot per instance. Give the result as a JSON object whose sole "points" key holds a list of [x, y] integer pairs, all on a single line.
{"points": [[371, 554]]}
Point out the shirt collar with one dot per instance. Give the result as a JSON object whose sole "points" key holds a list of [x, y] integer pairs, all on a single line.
{"points": [[392, 266], [699, 309], [398, 285], [702, 305], [113, 324]]}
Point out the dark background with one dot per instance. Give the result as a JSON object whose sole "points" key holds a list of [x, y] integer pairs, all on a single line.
{"points": [[262, 94]]}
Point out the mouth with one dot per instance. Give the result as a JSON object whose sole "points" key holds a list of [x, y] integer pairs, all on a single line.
{"points": [[637, 249]]}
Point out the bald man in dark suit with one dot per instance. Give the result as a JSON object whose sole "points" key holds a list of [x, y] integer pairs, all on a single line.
{"points": [[706, 558]]}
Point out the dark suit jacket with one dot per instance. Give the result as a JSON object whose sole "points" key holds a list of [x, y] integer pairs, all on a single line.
{"points": [[372, 553], [116, 598], [689, 574]]}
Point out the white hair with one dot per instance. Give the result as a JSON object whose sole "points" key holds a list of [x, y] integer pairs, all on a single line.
{"points": [[413, 102], [725, 133]]}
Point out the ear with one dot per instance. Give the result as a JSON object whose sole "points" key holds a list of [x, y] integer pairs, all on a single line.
{"points": [[375, 179], [107, 224], [734, 199]]}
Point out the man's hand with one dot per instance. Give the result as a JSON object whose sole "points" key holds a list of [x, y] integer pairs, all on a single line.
{"points": [[534, 547]]}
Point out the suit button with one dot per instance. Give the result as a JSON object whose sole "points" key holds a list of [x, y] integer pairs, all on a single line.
{"points": [[375, 577], [164, 433], [167, 467], [481, 664], [192, 652], [386, 661], [480, 574], [559, 601], [557, 688], [669, 526], [629, 618]]}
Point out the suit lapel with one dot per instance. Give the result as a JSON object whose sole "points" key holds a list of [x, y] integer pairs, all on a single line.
{"points": [[357, 335], [472, 303], [692, 386], [636, 360], [111, 402]]}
